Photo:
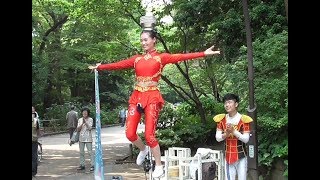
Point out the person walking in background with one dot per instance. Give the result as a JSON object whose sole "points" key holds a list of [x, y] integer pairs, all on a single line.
{"points": [[122, 116], [126, 114], [37, 116], [85, 138], [34, 111], [234, 129], [72, 122], [146, 97], [35, 134]]}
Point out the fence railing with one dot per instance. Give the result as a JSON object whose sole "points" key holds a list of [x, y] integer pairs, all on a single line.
{"points": [[52, 125]]}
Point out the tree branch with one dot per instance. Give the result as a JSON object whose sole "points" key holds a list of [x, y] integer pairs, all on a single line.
{"points": [[125, 45], [137, 21], [175, 88], [52, 29]]}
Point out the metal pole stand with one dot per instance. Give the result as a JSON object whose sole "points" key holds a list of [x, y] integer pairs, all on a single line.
{"points": [[253, 146]]}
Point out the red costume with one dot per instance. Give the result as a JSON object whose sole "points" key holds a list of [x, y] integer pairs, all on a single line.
{"points": [[148, 68], [234, 148]]}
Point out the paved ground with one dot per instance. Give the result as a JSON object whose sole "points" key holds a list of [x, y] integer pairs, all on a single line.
{"points": [[60, 160]]}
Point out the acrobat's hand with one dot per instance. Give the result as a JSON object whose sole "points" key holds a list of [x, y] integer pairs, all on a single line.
{"points": [[210, 51], [94, 67]]}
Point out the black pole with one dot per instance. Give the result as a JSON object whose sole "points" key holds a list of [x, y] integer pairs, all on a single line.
{"points": [[253, 141]]}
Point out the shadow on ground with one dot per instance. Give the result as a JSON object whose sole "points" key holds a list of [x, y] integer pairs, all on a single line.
{"points": [[62, 163]]}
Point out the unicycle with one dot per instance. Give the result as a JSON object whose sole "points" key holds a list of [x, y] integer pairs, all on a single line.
{"points": [[148, 164]]}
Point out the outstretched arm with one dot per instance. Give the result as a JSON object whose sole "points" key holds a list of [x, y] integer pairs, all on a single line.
{"points": [[174, 58], [210, 51], [123, 64]]}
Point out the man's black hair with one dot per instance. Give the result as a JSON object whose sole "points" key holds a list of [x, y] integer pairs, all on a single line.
{"points": [[231, 96]]}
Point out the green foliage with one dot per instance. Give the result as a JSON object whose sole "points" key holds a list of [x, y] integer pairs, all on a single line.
{"points": [[168, 116], [191, 131], [271, 94], [169, 138], [187, 133], [110, 116], [39, 75], [273, 97], [86, 37], [60, 111], [56, 125], [211, 106], [268, 17], [55, 117], [180, 128]]}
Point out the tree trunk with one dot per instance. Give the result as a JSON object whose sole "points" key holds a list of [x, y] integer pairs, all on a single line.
{"points": [[53, 89], [286, 6]]}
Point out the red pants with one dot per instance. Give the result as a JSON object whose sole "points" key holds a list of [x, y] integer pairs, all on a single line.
{"points": [[151, 112]]}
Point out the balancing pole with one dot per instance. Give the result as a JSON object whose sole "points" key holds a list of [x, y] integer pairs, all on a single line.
{"points": [[98, 168]]}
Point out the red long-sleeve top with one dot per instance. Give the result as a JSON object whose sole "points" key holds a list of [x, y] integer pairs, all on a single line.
{"points": [[148, 68]]}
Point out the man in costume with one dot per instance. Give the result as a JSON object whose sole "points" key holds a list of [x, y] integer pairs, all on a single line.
{"points": [[234, 128]]}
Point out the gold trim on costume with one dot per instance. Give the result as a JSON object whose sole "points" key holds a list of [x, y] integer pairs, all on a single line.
{"points": [[246, 119], [135, 61], [144, 78], [147, 88], [147, 83], [147, 56], [219, 117]]}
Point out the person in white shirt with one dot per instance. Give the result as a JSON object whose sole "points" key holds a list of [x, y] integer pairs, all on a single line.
{"points": [[85, 138]]}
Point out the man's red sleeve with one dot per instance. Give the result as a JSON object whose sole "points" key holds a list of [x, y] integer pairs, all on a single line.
{"points": [[219, 126], [246, 127]]}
